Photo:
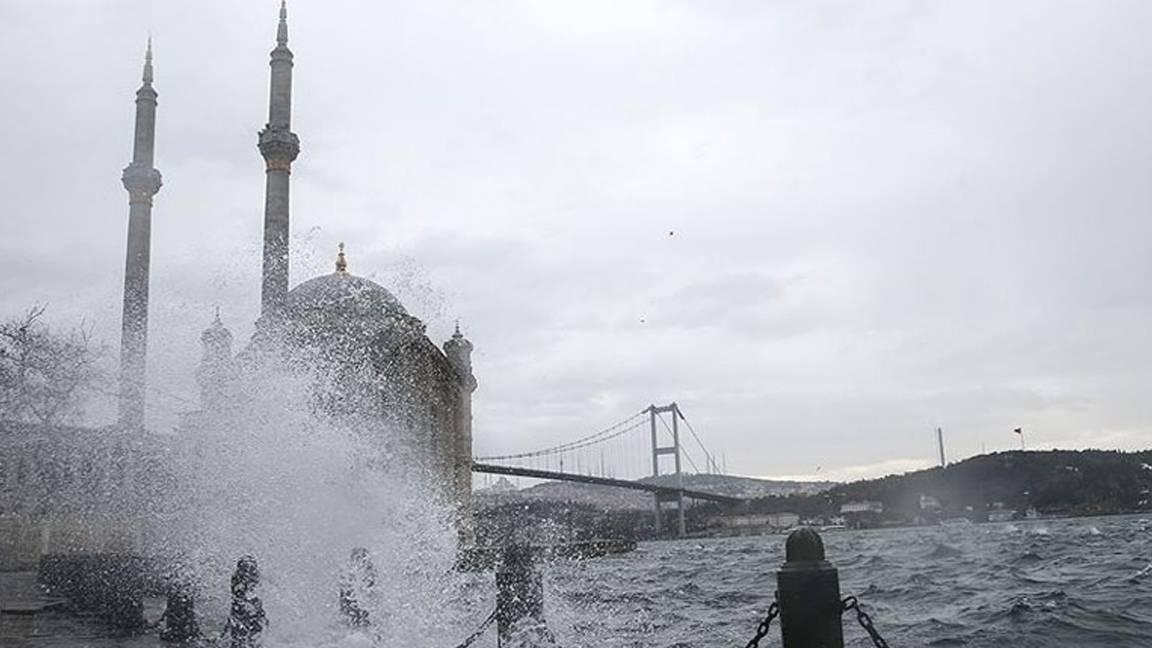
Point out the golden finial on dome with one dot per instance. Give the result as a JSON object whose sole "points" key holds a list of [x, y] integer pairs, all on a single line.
{"points": [[341, 261]]}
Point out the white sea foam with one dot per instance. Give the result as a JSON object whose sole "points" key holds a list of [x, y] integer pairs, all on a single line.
{"points": [[267, 477]]}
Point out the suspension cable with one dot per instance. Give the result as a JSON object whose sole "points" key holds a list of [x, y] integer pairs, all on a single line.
{"points": [[609, 432], [685, 450], [707, 455]]}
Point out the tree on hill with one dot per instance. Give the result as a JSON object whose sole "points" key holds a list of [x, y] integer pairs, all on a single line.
{"points": [[45, 374], [1071, 481]]}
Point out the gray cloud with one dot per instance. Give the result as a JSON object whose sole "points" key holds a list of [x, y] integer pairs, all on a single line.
{"points": [[886, 217]]}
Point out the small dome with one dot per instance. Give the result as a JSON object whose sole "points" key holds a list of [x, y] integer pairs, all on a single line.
{"points": [[341, 292], [216, 332], [457, 342]]}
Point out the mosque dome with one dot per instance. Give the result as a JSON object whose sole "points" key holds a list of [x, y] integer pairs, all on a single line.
{"points": [[343, 293]]}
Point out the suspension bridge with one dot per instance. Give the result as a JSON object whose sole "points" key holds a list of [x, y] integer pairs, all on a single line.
{"points": [[632, 453]]}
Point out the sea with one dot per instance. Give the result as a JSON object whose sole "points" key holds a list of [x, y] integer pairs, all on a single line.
{"points": [[1045, 583], [1082, 582]]}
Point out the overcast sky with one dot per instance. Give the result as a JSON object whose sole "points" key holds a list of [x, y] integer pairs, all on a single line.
{"points": [[824, 228]]}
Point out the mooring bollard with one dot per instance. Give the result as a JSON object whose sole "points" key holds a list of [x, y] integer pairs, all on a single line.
{"points": [[246, 620], [808, 591], [358, 589], [519, 594]]}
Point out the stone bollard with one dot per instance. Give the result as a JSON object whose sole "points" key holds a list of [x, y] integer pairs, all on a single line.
{"points": [[520, 599], [808, 591], [358, 589], [246, 619]]}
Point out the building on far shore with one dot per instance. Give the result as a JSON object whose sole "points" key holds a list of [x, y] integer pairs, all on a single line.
{"points": [[755, 523], [862, 514]]}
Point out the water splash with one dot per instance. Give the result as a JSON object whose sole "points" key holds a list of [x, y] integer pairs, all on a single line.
{"points": [[267, 476]]}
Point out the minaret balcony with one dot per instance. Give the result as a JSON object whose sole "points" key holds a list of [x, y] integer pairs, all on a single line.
{"points": [[279, 145], [141, 182]]}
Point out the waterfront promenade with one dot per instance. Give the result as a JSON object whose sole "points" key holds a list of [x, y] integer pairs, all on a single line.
{"points": [[30, 619]]}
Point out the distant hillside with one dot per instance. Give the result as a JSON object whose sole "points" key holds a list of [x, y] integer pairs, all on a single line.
{"points": [[743, 487], [609, 498], [1056, 481], [1053, 482]]}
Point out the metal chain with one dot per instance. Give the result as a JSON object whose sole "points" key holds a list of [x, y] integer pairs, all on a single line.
{"points": [[762, 629], [864, 620], [470, 639]]}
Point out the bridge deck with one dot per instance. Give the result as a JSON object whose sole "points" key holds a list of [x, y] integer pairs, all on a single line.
{"points": [[494, 469]]}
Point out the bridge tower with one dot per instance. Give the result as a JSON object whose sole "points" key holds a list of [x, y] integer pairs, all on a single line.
{"points": [[654, 413]]}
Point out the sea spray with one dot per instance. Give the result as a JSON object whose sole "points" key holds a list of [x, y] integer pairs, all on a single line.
{"points": [[267, 475]]}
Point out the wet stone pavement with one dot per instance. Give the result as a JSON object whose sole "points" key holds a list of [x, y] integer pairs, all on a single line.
{"points": [[30, 619]]}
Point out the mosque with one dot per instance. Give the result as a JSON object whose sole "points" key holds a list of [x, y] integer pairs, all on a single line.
{"points": [[376, 357]]}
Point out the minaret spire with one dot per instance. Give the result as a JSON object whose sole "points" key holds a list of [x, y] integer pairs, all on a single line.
{"points": [[279, 146], [142, 182], [148, 63], [282, 29]]}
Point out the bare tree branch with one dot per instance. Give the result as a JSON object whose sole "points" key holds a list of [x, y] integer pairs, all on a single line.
{"points": [[45, 374]]}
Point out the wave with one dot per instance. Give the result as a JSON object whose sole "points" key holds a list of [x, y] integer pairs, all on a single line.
{"points": [[1028, 557], [942, 550], [1061, 585], [1140, 574]]}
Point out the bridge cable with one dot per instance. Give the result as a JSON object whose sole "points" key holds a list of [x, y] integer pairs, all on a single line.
{"points": [[561, 449], [607, 433], [708, 455], [571, 445], [684, 451]]}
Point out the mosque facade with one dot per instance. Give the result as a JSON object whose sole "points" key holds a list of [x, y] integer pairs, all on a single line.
{"points": [[378, 363], [376, 359]]}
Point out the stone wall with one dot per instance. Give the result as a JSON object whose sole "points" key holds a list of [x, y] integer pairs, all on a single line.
{"points": [[24, 540], [75, 490]]}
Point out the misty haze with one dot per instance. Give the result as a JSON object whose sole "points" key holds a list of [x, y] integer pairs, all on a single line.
{"points": [[640, 324]]}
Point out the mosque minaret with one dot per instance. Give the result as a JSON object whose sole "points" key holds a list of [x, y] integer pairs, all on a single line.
{"points": [[142, 181], [279, 146]]}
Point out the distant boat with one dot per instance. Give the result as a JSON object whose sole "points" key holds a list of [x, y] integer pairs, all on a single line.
{"points": [[1001, 515], [950, 522], [833, 527]]}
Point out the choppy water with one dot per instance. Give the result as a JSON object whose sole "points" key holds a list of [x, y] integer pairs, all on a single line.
{"points": [[1081, 582], [1084, 582]]}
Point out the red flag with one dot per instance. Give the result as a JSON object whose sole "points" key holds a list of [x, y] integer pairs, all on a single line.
{"points": [[1018, 431]]}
